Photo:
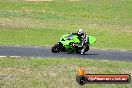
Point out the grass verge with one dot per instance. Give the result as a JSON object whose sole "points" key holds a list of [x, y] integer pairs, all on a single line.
{"points": [[56, 72], [42, 23]]}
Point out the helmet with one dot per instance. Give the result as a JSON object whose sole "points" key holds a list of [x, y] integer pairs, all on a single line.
{"points": [[80, 31]]}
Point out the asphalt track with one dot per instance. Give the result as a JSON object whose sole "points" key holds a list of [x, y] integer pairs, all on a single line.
{"points": [[32, 51]]}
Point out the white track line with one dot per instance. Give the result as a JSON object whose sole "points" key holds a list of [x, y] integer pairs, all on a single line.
{"points": [[2, 56], [105, 60], [123, 50], [9, 56], [14, 56], [103, 49]]}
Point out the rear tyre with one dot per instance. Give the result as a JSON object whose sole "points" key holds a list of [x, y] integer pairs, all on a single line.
{"points": [[55, 48], [87, 48], [78, 51], [84, 49]]}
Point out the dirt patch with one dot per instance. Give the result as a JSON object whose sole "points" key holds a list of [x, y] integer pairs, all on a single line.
{"points": [[47, 0], [130, 31], [38, 0]]}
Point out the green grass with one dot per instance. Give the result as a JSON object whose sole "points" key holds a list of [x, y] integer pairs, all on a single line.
{"points": [[42, 23], [56, 72]]}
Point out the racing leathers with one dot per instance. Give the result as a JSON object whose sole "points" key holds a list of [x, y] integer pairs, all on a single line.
{"points": [[83, 37]]}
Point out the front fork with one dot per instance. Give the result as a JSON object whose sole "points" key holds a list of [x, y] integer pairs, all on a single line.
{"points": [[61, 47]]}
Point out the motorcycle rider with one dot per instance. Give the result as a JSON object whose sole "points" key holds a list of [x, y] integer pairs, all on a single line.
{"points": [[82, 37]]}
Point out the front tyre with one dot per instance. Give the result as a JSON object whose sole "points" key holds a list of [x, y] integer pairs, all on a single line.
{"points": [[55, 48]]}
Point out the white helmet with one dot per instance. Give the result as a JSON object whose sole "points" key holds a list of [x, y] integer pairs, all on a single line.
{"points": [[80, 31]]}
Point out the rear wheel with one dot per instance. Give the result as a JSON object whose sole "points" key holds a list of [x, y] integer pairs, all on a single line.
{"points": [[87, 48], [84, 49], [78, 51]]}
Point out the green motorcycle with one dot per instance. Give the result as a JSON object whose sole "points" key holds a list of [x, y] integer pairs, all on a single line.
{"points": [[71, 43]]}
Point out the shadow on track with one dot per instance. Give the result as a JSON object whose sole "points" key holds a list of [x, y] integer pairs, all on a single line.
{"points": [[91, 54]]}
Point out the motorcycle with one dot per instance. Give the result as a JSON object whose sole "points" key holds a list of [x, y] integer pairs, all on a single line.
{"points": [[71, 43]]}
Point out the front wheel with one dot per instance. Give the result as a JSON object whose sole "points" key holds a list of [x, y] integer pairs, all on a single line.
{"points": [[55, 48]]}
